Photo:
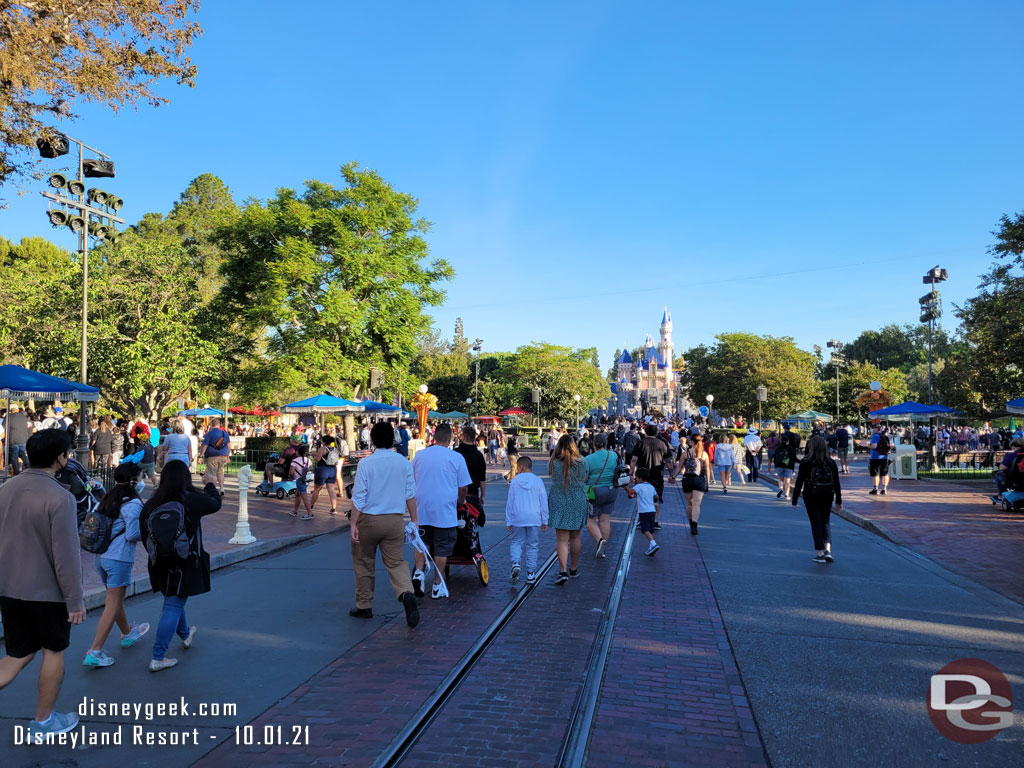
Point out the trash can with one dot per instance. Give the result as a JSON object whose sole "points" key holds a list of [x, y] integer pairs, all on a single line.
{"points": [[905, 465]]}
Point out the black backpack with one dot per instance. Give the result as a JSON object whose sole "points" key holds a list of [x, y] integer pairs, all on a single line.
{"points": [[168, 542], [884, 446], [96, 532], [783, 458], [820, 481]]}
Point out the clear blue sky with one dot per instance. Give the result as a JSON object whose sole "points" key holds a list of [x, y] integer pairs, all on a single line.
{"points": [[586, 163]]}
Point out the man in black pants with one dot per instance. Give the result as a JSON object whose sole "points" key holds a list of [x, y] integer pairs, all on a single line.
{"points": [[650, 454]]}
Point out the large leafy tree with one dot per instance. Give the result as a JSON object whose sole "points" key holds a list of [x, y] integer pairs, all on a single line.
{"points": [[54, 53], [560, 373], [331, 282], [897, 346], [854, 381], [738, 363]]}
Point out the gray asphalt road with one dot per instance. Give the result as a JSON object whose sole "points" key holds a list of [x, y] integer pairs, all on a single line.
{"points": [[837, 658], [267, 626]]}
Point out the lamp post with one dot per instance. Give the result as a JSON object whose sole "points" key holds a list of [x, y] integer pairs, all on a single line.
{"points": [[577, 399], [762, 395], [227, 400], [536, 401], [469, 402], [92, 207], [931, 310], [477, 346], [710, 399], [837, 359]]}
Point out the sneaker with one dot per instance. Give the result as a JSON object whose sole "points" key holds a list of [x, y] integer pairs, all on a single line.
{"points": [[601, 546], [882, 492], [361, 613], [693, 528], [438, 591], [57, 722], [724, 490], [417, 583], [829, 558], [819, 559], [513, 577], [779, 494], [562, 577], [186, 643], [652, 548], [657, 525], [412, 611], [873, 492], [531, 578], [307, 516], [574, 573], [157, 665], [137, 631], [98, 658]]}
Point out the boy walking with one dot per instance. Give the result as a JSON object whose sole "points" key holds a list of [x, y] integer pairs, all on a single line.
{"points": [[526, 515], [645, 494]]}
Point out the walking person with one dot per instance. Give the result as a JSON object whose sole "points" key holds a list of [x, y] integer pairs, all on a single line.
{"points": [[217, 453], [818, 480], [102, 443], [41, 593], [785, 460], [177, 572], [512, 453], [384, 490], [177, 446], [526, 515], [327, 472], [122, 505], [752, 448], [297, 471], [601, 468], [650, 453], [645, 494], [725, 461], [878, 463], [442, 481], [696, 474], [475, 463], [843, 449], [567, 505], [17, 429]]}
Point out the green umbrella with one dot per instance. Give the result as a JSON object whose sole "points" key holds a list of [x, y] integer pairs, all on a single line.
{"points": [[810, 416]]}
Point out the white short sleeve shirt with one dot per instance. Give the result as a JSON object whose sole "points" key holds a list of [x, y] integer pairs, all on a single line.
{"points": [[440, 472]]}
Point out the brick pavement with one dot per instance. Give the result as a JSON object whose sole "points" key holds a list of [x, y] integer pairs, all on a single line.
{"points": [[954, 524], [672, 693]]}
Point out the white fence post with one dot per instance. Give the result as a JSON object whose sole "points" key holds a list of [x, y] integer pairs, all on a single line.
{"points": [[242, 533]]}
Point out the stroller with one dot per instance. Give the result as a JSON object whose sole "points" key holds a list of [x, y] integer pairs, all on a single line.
{"points": [[467, 542], [88, 491]]}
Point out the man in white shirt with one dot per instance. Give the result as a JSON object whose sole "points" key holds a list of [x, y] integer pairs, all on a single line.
{"points": [[384, 489], [442, 479], [752, 442], [364, 437]]}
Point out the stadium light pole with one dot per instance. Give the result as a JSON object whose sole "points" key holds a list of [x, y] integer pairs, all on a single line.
{"points": [[931, 310], [837, 360]]}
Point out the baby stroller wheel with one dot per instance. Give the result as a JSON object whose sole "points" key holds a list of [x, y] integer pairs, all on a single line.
{"points": [[481, 570], [280, 493]]}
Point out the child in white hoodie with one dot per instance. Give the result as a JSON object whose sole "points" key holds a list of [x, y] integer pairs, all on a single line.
{"points": [[526, 515]]}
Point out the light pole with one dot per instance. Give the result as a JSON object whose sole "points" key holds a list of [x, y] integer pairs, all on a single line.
{"points": [[837, 360], [469, 402], [710, 399], [931, 310], [227, 399], [536, 401], [577, 399], [762, 395], [93, 206], [477, 346]]}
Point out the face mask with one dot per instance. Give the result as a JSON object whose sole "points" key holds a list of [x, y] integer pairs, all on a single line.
{"points": [[140, 486]]}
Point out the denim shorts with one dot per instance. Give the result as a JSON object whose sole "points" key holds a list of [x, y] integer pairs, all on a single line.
{"points": [[784, 473], [114, 573], [325, 476], [300, 485]]}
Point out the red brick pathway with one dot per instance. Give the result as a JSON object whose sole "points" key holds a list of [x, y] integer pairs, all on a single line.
{"points": [[953, 524], [672, 693]]}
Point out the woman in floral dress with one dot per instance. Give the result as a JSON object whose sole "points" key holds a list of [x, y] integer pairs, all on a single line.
{"points": [[567, 505]]}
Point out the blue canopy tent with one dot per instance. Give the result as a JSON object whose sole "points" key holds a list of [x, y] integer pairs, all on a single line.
{"points": [[201, 412], [1016, 405], [17, 383], [912, 410], [372, 406], [324, 404]]}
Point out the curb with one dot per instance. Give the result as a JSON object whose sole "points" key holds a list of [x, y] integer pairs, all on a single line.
{"points": [[850, 517]]}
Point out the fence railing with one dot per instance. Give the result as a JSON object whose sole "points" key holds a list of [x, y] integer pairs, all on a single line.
{"points": [[958, 464]]}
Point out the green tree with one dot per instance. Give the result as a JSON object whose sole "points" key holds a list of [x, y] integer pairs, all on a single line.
{"points": [[738, 363], [854, 380], [335, 279], [560, 373]]}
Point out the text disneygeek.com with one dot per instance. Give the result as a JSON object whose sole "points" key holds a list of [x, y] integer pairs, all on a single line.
{"points": [[98, 733]]}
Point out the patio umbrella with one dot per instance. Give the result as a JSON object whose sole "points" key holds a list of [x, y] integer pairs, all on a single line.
{"points": [[455, 415], [324, 404], [811, 416], [17, 383], [1015, 406], [372, 406]]}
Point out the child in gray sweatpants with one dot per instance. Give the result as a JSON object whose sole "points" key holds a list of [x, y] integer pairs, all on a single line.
{"points": [[526, 515]]}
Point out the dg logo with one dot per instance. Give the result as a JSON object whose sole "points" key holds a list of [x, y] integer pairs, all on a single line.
{"points": [[970, 701]]}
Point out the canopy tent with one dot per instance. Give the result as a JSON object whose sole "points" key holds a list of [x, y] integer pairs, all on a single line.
{"points": [[435, 415], [487, 419], [323, 404], [809, 416], [1015, 406], [203, 413], [17, 383], [514, 412], [911, 408], [372, 406], [455, 415]]}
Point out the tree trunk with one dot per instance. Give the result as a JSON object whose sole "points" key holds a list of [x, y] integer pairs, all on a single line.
{"points": [[350, 431]]}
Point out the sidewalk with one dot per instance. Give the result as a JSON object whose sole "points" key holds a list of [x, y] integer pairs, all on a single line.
{"points": [[950, 523]]}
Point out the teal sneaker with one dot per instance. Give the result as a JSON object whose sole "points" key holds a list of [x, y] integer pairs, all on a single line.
{"points": [[98, 658], [137, 631]]}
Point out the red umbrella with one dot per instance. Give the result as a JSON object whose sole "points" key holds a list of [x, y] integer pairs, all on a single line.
{"points": [[514, 412]]}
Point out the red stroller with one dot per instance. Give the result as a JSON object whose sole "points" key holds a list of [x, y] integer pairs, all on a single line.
{"points": [[467, 542]]}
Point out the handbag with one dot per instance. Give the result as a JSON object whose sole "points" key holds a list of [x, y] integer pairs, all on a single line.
{"points": [[590, 489]]}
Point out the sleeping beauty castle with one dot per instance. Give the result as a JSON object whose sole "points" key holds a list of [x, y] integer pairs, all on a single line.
{"points": [[650, 382]]}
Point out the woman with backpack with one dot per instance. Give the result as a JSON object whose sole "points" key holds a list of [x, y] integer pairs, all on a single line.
{"points": [[818, 479], [696, 472], [179, 567], [122, 506], [328, 472], [297, 471], [725, 460]]}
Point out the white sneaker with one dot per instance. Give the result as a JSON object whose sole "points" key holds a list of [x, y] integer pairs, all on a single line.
{"points": [[439, 591], [187, 642], [98, 658], [156, 666], [652, 548], [57, 722], [417, 583], [137, 631]]}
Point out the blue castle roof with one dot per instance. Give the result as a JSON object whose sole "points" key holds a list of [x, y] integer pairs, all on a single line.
{"points": [[624, 358]]}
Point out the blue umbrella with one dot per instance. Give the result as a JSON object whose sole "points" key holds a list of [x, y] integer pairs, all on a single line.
{"points": [[17, 383], [372, 406], [323, 404]]}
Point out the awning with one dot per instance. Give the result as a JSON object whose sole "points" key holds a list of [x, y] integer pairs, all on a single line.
{"points": [[911, 408], [1016, 405], [514, 412], [17, 383], [372, 406], [810, 416], [323, 404]]}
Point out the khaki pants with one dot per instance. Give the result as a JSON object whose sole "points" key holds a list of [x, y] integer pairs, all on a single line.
{"points": [[387, 533], [215, 470]]}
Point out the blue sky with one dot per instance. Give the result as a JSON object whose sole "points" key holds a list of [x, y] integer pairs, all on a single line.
{"points": [[586, 163]]}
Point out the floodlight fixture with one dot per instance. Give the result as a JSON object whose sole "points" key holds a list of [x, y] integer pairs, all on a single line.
{"points": [[97, 229], [95, 169], [114, 202], [97, 196], [58, 218], [58, 181], [76, 223], [76, 187]]}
